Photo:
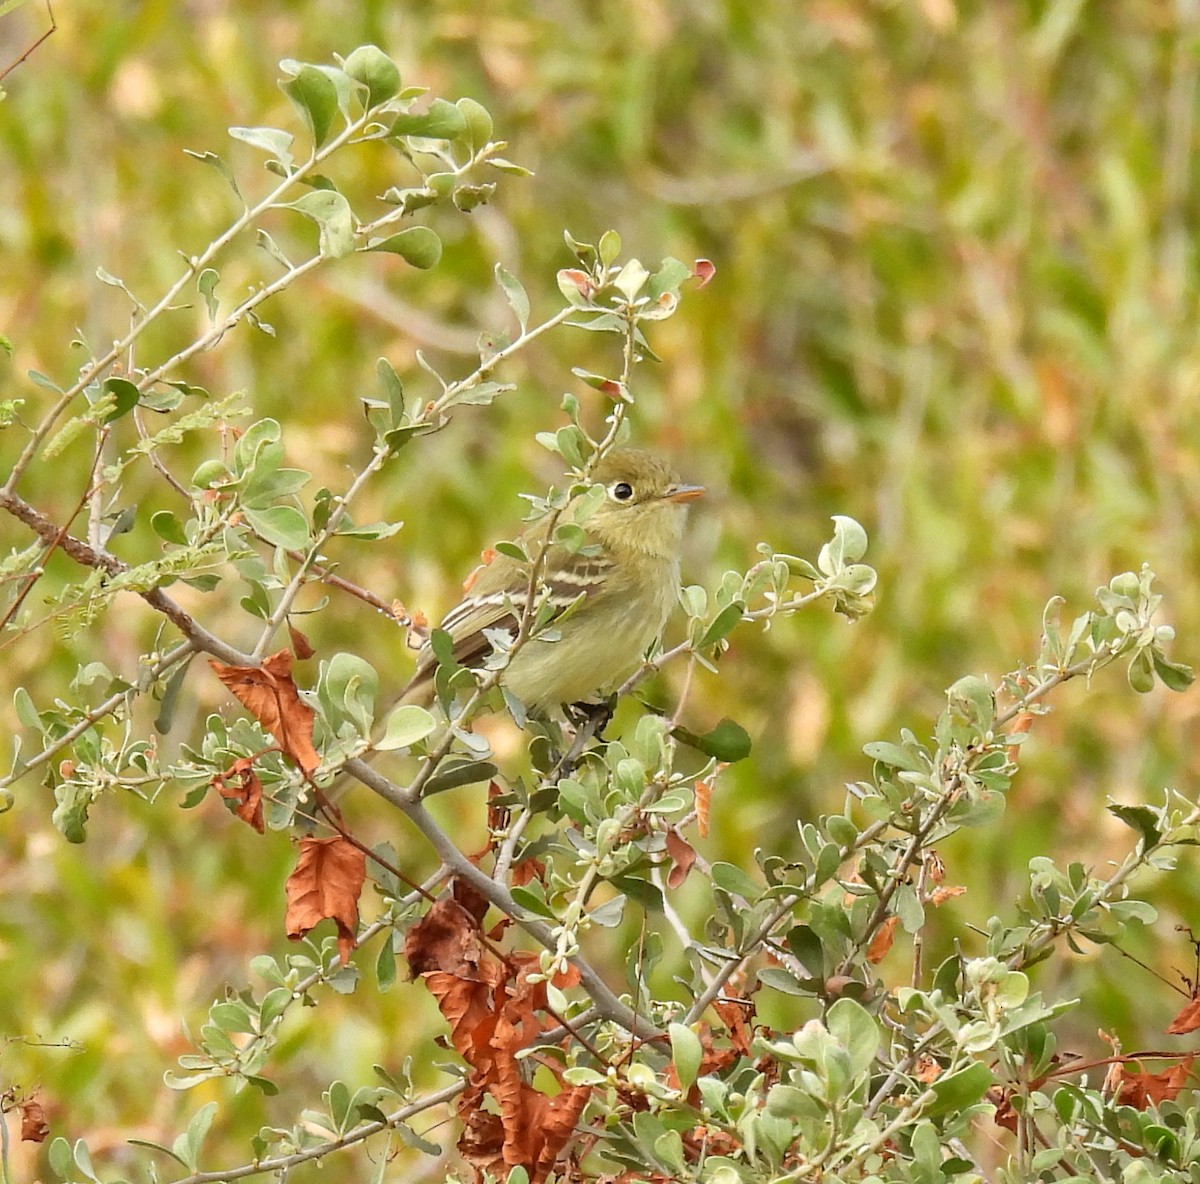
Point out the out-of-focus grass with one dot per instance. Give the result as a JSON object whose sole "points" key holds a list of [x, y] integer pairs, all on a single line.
{"points": [[955, 298]]}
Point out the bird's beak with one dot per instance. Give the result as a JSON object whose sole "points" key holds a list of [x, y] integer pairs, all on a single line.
{"points": [[683, 493]]}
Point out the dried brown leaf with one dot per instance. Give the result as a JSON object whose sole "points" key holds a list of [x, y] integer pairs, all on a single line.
{"points": [[737, 1014], [1142, 1090], [301, 646], [445, 939], [239, 783], [327, 881], [941, 895], [1188, 1019], [682, 857], [34, 1127], [703, 805], [882, 941], [270, 695]]}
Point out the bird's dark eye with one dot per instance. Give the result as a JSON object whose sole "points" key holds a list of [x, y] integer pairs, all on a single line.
{"points": [[622, 491]]}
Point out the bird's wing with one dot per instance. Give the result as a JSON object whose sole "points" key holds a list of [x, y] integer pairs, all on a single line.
{"points": [[496, 599]]}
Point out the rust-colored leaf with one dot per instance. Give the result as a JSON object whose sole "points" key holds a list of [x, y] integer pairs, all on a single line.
{"points": [[1005, 1116], [737, 1015], [34, 1127], [497, 816], [1188, 1019], [935, 869], [468, 1005], [882, 941], [270, 695], [494, 1010], [527, 870], [239, 783], [301, 646], [470, 898], [445, 939], [1142, 1090], [927, 1070], [1019, 726], [682, 857], [327, 881], [485, 557], [949, 892], [703, 805]]}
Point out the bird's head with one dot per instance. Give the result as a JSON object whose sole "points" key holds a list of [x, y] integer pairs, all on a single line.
{"points": [[645, 503]]}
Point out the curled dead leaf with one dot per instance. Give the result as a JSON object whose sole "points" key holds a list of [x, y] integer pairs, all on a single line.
{"points": [[301, 646], [270, 695], [1142, 1090], [941, 895], [34, 1127], [239, 783], [327, 882], [703, 805], [682, 857], [445, 939], [1188, 1019], [882, 941]]}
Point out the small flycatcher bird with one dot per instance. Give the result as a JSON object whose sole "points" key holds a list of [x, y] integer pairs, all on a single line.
{"points": [[627, 572]]}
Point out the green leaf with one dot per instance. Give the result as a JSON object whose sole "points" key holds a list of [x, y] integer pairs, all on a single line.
{"points": [[284, 526], [372, 67], [211, 158], [170, 700], [514, 291], [272, 140], [315, 97], [807, 949], [442, 121], [385, 966], [452, 775], [60, 1157], [188, 1145], [478, 123], [27, 713], [631, 279], [728, 741], [610, 247], [609, 914], [686, 1054], [467, 197], [417, 245], [856, 1030], [850, 538], [40, 379], [206, 283], [1175, 676], [393, 388], [894, 756], [83, 1160], [125, 394], [735, 881], [960, 1090], [508, 166], [1142, 819], [1141, 672], [334, 218], [405, 726], [782, 980], [722, 624]]}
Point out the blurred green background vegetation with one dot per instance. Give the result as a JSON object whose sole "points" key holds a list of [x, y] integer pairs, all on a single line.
{"points": [[955, 299]]}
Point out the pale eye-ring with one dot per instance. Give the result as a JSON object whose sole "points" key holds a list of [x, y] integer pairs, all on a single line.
{"points": [[621, 491]]}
